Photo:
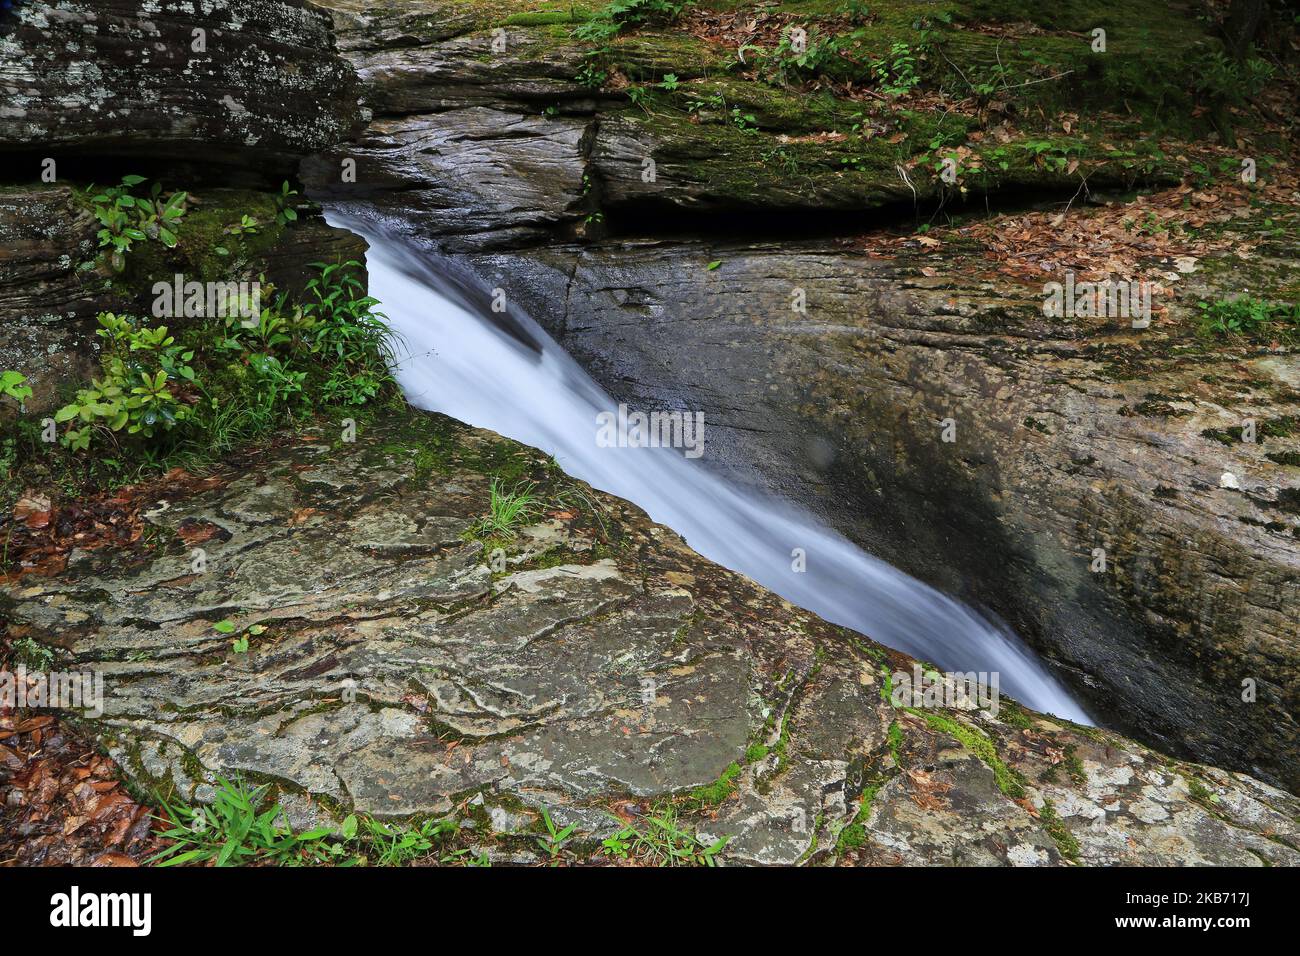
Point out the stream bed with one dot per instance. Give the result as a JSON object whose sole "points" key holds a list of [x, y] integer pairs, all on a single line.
{"points": [[515, 380]]}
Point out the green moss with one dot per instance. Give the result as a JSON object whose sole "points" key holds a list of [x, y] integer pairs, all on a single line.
{"points": [[895, 738], [1015, 715], [1224, 436], [854, 836], [1282, 427], [713, 794], [1008, 780], [1059, 832], [1074, 766], [1202, 794], [547, 17], [756, 752]]}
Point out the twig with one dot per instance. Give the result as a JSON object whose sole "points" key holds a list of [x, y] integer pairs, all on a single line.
{"points": [[1042, 79]]}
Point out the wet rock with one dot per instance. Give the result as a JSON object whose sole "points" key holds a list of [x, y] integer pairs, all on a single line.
{"points": [[606, 668], [1059, 450], [845, 403], [239, 82]]}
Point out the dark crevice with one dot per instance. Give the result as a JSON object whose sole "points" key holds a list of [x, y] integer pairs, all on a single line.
{"points": [[651, 218]]}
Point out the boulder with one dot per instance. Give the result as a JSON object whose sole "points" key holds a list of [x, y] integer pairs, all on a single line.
{"points": [[398, 665]]}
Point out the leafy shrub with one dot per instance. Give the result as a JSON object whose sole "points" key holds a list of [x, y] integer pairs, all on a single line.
{"points": [[126, 219], [214, 384], [1226, 80], [352, 340], [841, 57], [135, 393], [896, 73], [12, 384], [819, 55]]}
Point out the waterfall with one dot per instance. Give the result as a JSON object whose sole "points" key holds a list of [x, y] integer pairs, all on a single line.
{"points": [[454, 360]]}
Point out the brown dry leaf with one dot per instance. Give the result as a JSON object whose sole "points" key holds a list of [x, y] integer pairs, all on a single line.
{"points": [[301, 515], [418, 701], [195, 532], [33, 511], [926, 790]]}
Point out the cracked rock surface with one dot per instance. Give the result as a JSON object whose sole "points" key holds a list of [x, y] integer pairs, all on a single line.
{"points": [[398, 665]]}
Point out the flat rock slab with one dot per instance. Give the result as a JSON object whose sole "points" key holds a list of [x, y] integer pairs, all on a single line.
{"points": [[402, 666]]}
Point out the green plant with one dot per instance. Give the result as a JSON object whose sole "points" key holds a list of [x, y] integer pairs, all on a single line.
{"points": [[466, 857], [619, 845], [817, 54], [610, 20], [743, 121], [247, 226], [896, 73], [279, 385], [1251, 318], [397, 844], [285, 212], [508, 508], [713, 101], [1045, 153], [234, 830], [555, 838], [592, 75], [32, 655], [664, 841], [240, 644], [857, 10], [160, 217], [12, 385], [1225, 80], [126, 219], [347, 334], [135, 392]]}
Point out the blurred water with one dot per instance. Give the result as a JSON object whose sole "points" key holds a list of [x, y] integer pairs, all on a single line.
{"points": [[462, 362]]}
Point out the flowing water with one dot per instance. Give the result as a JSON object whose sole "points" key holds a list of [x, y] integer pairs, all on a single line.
{"points": [[462, 361]]}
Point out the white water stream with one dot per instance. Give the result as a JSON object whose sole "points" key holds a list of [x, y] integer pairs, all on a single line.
{"points": [[462, 364]]}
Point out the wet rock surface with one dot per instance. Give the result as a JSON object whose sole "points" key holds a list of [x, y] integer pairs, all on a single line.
{"points": [[1070, 436], [1066, 441], [200, 96], [397, 667], [222, 81]]}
